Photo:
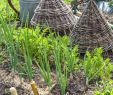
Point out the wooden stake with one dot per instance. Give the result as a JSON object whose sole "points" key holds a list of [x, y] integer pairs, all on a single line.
{"points": [[34, 88], [13, 91]]}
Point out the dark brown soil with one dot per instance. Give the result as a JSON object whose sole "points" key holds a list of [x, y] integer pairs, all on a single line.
{"points": [[76, 85]]}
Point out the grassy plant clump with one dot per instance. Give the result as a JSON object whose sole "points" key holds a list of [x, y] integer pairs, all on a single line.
{"points": [[95, 67], [71, 58], [7, 38], [44, 66], [61, 75], [13, 46], [65, 59], [27, 56]]}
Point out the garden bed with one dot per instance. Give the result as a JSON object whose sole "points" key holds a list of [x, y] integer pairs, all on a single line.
{"points": [[26, 54], [76, 85]]}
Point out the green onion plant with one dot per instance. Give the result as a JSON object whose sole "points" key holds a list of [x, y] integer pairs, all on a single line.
{"points": [[61, 74]]}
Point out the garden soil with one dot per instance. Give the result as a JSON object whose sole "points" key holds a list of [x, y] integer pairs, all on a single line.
{"points": [[76, 84]]}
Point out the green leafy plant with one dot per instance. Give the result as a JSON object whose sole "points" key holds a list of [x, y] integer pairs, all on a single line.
{"points": [[35, 40], [7, 12], [96, 67], [106, 89]]}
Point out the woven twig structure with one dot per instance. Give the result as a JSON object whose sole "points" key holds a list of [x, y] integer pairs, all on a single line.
{"points": [[92, 31], [54, 14]]}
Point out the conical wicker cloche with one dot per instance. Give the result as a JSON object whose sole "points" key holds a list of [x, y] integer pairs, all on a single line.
{"points": [[54, 14], [92, 31]]}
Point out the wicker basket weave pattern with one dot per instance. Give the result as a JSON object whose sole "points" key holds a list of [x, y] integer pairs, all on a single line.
{"points": [[92, 30], [55, 14]]}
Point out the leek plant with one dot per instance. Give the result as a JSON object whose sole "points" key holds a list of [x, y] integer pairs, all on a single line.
{"points": [[27, 55], [66, 59], [43, 64], [71, 58], [61, 75], [7, 31], [13, 47]]}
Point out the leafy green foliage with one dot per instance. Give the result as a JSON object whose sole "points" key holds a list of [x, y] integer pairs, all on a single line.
{"points": [[96, 67], [6, 11], [106, 89]]}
